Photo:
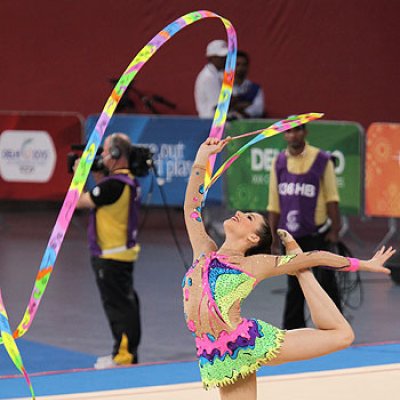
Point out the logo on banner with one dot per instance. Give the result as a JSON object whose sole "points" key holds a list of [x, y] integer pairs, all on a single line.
{"points": [[261, 159], [26, 156]]}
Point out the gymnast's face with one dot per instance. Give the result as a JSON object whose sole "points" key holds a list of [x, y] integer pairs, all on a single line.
{"points": [[244, 225]]}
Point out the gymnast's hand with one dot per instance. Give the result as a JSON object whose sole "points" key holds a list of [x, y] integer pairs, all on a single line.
{"points": [[209, 147], [213, 145], [375, 264]]}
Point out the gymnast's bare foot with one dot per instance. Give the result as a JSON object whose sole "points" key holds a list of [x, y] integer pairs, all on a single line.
{"points": [[290, 244], [291, 247]]}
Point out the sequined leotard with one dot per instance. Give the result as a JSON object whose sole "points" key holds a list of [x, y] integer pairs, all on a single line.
{"points": [[228, 346]]}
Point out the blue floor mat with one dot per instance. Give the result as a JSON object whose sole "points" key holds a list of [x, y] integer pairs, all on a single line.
{"points": [[182, 372], [39, 357]]}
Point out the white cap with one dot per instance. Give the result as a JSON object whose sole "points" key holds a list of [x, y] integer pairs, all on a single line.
{"points": [[217, 48]]}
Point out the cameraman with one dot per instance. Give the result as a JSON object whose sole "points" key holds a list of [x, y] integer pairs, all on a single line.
{"points": [[112, 232]]}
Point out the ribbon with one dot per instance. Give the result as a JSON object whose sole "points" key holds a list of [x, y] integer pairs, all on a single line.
{"points": [[11, 346], [274, 129], [86, 161]]}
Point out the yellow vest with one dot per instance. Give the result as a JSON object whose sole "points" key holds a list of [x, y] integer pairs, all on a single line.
{"points": [[112, 225]]}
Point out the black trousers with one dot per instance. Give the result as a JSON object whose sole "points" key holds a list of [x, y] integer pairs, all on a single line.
{"points": [[120, 301], [293, 315]]}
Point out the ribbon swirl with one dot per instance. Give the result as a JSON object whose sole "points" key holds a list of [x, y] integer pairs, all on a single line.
{"points": [[86, 161]]}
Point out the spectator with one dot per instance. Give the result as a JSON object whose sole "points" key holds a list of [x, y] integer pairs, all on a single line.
{"points": [[114, 204], [247, 96], [209, 80], [303, 199]]}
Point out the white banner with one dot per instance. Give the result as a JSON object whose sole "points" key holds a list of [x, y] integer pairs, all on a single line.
{"points": [[27, 156]]}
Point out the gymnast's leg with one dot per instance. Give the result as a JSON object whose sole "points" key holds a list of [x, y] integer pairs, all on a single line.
{"points": [[332, 331], [243, 388]]}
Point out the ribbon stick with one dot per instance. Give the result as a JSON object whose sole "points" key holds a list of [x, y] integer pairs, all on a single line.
{"points": [[248, 134], [274, 129], [86, 161]]}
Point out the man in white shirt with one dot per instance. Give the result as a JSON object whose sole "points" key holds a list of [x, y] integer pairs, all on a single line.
{"points": [[209, 81]]}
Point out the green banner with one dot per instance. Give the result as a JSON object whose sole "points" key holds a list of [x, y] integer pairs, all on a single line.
{"points": [[247, 180]]}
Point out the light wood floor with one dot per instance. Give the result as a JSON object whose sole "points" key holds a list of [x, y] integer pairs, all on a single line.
{"points": [[367, 383]]}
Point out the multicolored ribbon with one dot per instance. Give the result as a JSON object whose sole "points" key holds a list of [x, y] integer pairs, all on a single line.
{"points": [[11, 346], [81, 174], [274, 129]]}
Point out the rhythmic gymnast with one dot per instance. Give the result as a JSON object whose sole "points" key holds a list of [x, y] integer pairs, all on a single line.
{"points": [[231, 348]]}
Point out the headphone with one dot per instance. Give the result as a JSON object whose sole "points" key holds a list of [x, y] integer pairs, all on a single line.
{"points": [[114, 151]]}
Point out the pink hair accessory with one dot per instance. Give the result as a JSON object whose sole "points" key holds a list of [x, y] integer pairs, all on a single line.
{"points": [[354, 264]]}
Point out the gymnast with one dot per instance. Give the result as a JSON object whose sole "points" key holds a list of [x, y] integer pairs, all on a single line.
{"points": [[231, 348]]}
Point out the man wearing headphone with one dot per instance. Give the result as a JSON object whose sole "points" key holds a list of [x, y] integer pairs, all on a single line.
{"points": [[114, 204]]}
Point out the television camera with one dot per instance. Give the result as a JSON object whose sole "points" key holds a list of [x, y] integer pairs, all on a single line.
{"points": [[140, 159]]}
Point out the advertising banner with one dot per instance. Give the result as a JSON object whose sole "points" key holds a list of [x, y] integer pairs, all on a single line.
{"points": [[174, 142], [382, 170], [247, 180], [33, 154]]}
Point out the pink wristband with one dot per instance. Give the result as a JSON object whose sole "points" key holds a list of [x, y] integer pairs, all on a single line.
{"points": [[354, 264]]}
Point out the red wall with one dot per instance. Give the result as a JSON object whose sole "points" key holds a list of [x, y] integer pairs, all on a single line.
{"points": [[340, 57]]}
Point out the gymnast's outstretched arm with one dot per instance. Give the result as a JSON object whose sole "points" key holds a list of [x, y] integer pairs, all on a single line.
{"points": [[201, 242], [265, 266]]}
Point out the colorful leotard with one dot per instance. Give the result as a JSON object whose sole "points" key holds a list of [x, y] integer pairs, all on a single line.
{"points": [[228, 346]]}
